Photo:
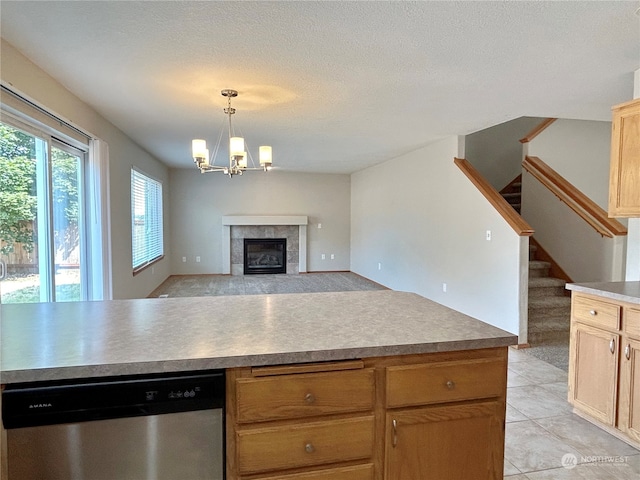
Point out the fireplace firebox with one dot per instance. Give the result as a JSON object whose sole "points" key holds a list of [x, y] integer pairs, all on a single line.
{"points": [[265, 255]]}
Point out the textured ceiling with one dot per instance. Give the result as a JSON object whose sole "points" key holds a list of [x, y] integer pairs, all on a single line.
{"points": [[333, 86]]}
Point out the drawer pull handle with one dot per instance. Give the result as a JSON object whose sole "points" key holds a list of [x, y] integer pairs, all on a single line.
{"points": [[612, 346], [593, 313], [450, 385], [309, 448], [627, 352], [394, 424], [309, 398]]}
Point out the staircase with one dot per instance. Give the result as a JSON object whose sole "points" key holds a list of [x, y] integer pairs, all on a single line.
{"points": [[512, 193], [549, 305]]}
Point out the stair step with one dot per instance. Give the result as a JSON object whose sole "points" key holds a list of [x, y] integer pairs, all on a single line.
{"points": [[540, 338], [549, 306], [538, 268], [516, 195], [542, 282], [546, 287], [549, 323], [551, 302]]}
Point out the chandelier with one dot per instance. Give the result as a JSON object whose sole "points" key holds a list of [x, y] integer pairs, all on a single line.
{"points": [[237, 153]]}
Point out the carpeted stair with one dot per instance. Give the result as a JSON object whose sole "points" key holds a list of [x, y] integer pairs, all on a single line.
{"points": [[549, 306]]}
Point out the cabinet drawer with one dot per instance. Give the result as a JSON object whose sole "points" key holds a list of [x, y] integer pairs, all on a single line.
{"points": [[446, 381], [303, 395], [309, 444], [595, 312], [632, 322], [355, 472]]}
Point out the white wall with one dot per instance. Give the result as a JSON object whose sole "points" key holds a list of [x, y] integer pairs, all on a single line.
{"points": [[496, 152], [579, 151], [28, 79], [584, 254], [425, 223], [198, 202]]}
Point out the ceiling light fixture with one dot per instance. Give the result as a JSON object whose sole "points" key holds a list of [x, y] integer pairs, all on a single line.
{"points": [[237, 152]]}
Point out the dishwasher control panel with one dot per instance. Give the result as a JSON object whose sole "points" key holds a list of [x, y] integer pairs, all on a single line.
{"points": [[46, 403]]}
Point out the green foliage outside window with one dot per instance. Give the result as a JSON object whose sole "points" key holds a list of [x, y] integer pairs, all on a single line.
{"points": [[18, 200]]}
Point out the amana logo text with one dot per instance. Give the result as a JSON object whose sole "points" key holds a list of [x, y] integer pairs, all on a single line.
{"points": [[40, 405]]}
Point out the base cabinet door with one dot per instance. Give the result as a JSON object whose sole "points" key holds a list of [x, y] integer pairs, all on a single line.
{"points": [[450, 442], [629, 404], [593, 371]]}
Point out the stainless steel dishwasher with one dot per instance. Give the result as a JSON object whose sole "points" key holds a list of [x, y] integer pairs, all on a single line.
{"points": [[151, 427]]}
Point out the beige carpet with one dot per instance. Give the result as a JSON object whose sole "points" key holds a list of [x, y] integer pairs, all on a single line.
{"points": [[204, 285]]}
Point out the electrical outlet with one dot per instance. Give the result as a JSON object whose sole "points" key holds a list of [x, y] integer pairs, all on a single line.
{"points": [[323, 256], [488, 235], [184, 259], [333, 257], [319, 225], [198, 259]]}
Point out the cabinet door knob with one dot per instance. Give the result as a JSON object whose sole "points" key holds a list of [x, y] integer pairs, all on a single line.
{"points": [[309, 398], [612, 346], [309, 448], [627, 351], [450, 384], [593, 312]]}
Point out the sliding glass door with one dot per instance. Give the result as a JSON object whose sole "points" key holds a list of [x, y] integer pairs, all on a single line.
{"points": [[41, 218]]}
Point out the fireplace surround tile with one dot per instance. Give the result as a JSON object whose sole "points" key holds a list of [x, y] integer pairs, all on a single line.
{"points": [[236, 228]]}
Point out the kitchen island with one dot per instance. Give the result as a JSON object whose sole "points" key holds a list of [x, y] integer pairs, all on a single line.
{"points": [[331, 386]]}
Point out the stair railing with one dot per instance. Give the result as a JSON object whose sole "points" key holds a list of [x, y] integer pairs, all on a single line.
{"points": [[505, 210], [538, 129], [577, 201]]}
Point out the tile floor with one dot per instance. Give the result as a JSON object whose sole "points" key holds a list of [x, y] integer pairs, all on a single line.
{"points": [[541, 430]]}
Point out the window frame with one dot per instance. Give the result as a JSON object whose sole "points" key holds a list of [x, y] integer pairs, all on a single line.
{"points": [[50, 140], [157, 221], [24, 113]]}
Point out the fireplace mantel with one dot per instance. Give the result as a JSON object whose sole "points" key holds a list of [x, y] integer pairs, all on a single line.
{"points": [[235, 220]]}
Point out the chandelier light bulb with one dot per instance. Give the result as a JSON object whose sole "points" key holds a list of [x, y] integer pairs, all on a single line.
{"points": [[265, 155], [236, 146], [199, 148]]}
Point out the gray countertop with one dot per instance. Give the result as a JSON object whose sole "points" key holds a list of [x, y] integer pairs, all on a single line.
{"points": [[620, 291], [90, 339]]}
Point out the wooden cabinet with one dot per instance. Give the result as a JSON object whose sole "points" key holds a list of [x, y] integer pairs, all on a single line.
{"points": [[312, 422], [394, 418], [450, 442], [629, 415], [457, 431], [624, 180], [604, 364], [595, 373]]}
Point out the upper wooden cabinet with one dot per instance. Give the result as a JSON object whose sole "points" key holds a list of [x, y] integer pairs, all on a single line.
{"points": [[624, 181]]}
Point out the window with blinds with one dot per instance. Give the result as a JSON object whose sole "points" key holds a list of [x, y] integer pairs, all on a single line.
{"points": [[146, 220]]}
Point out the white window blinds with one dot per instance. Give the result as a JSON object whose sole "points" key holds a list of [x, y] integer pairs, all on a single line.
{"points": [[146, 220]]}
